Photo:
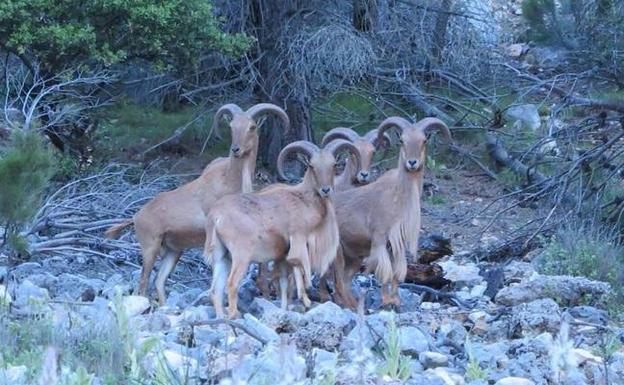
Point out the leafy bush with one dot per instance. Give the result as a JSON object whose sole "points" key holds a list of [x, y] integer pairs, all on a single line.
{"points": [[591, 28], [589, 251], [26, 166]]}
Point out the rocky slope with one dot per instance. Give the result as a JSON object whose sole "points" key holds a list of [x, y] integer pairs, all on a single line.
{"points": [[536, 330]]}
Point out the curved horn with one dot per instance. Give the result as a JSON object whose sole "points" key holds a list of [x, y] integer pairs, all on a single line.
{"points": [[308, 148], [428, 124], [340, 133], [376, 139], [393, 121], [230, 109], [263, 108], [338, 145]]}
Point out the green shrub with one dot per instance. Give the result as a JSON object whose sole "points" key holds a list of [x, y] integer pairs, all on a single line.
{"points": [[588, 251], [26, 166]]}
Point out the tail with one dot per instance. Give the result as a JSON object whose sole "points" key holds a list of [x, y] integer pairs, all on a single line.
{"points": [[114, 231]]}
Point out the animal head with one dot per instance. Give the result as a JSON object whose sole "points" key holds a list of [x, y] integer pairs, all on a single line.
{"points": [[366, 147], [244, 125], [321, 163], [413, 139]]}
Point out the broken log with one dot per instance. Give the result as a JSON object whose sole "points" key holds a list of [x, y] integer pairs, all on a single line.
{"points": [[426, 275], [432, 247]]}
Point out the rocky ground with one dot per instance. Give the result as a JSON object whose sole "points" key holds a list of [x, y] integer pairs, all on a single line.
{"points": [[535, 330]]}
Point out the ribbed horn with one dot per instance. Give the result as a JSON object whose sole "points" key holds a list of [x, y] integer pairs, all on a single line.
{"points": [[230, 109], [393, 121], [338, 145], [303, 146], [428, 124], [340, 133], [376, 139], [265, 108]]}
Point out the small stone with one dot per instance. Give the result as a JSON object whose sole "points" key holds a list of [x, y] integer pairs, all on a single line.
{"points": [[518, 49], [5, 297], [329, 312], [260, 329], [461, 275], [135, 304], [182, 365], [433, 360], [197, 314], [30, 294], [14, 375], [514, 381], [412, 341], [324, 362], [526, 114], [534, 318]]}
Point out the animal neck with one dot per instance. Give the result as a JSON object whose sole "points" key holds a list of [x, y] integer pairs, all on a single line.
{"points": [[241, 170], [408, 183]]}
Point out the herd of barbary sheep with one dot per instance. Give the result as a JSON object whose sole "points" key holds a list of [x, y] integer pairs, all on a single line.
{"points": [[327, 224]]}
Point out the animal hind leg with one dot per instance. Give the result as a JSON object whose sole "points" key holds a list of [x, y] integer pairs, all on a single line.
{"points": [[236, 275], [166, 267], [150, 254], [283, 283]]}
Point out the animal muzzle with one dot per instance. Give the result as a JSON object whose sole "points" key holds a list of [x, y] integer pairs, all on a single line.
{"points": [[235, 150], [412, 165], [325, 191], [363, 177]]}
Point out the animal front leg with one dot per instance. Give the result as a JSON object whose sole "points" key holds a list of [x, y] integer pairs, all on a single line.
{"points": [[283, 283], [301, 292], [298, 256]]}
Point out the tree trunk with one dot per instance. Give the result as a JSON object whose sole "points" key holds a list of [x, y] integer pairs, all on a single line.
{"points": [[441, 25], [267, 21]]}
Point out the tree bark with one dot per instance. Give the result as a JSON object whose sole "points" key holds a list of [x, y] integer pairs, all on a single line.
{"points": [[268, 22], [441, 25]]}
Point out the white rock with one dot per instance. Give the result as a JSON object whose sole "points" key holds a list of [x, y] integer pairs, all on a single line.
{"points": [[412, 341], [445, 375], [514, 381], [582, 356], [135, 304], [526, 114], [518, 49], [29, 294], [13, 375], [5, 297], [461, 275], [329, 312], [433, 359], [181, 364], [259, 328]]}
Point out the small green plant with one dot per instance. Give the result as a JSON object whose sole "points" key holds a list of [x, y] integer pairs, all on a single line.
{"points": [[26, 166], [435, 199], [396, 365], [589, 251], [474, 371]]}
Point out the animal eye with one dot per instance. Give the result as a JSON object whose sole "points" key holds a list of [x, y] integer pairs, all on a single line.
{"points": [[252, 127], [401, 140]]}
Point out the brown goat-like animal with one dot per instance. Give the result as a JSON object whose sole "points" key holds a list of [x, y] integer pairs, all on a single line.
{"points": [[293, 225], [367, 145], [384, 212], [174, 221], [352, 176]]}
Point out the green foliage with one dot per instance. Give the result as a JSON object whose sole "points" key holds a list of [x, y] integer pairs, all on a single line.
{"points": [[107, 348], [537, 12], [26, 166], [70, 33], [474, 371], [396, 365], [131, 128], [588, 252]]}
